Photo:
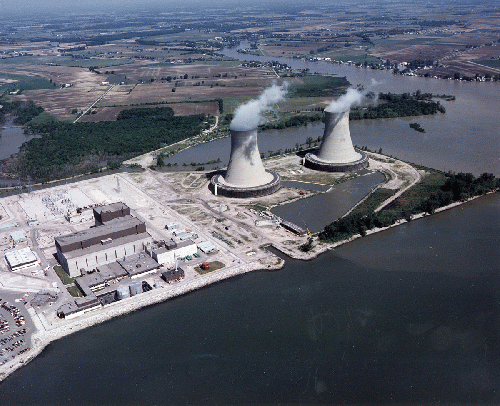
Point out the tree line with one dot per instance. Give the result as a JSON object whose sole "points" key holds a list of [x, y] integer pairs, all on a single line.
{"points": [[65, 149], [457, 187], [398, 105]]}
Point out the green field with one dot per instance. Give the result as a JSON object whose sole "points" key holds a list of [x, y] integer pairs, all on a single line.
{"points": [[65, 279], [74, 291], [25, 83], [63, 61], [213, 266]]}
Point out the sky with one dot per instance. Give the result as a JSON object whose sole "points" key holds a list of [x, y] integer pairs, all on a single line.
{"points": [[57, 6]]}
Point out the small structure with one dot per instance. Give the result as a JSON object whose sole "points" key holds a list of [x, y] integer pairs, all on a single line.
{"points": [[294, 228], [18, 236], [21, 259], [206, 247], [79, 216], [172, 226], [173, 275], [78, 307]]}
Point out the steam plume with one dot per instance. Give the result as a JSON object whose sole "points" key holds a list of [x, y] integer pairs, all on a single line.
{"points": [[249, 115], [353, 97]]}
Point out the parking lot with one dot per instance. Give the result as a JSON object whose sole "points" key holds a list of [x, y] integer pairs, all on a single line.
{"points": [[15, 327]]}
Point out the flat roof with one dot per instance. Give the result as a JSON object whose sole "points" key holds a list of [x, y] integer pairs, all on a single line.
{"points": [[91, 280], [7, 226], [20, 257], [112, 207], [206, 246], [103, 231], [137, 264], [180, 244], [111, 271], [18, 235], [115, 243]]}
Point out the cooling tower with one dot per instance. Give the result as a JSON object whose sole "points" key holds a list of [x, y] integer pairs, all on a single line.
{"points": [[245, 175], [336, 153]]}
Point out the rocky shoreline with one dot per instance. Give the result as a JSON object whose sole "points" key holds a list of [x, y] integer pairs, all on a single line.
{"points": [[43, 337]]}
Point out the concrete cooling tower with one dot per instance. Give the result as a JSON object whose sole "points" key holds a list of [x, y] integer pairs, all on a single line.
{"points": [[245, 175], [336, 153]]}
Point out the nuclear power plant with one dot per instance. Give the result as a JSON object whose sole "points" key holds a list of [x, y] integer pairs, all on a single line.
{"points": [[245, 175], [336, 153]]}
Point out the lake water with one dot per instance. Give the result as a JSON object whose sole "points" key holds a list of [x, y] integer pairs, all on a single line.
{"points": [[408, 316]]}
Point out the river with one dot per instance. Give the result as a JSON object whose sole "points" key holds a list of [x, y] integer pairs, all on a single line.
{"points": [[466, 138], [409, 315]]}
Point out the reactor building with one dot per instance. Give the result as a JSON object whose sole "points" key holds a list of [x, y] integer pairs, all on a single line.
{"points": [[336, 153], [245, 175]]}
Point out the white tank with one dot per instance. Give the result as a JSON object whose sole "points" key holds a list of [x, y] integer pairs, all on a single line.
{"points": [[336, 146], [122, 292], [135, 288], [245, 167]]}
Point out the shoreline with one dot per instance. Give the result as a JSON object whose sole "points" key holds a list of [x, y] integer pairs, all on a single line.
{"points": [[325, 246], [43, 337]]}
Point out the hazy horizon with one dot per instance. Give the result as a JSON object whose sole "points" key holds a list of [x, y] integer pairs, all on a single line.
{"points": [[51, 7]]}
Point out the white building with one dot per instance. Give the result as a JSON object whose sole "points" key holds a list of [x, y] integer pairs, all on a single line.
{"points": [[21, 259], [167, 253]]}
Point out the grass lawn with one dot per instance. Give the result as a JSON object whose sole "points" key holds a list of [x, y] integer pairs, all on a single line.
{"points": [[373, 201], [63, 275], [213, 266], [413, 197], [74, 291]]}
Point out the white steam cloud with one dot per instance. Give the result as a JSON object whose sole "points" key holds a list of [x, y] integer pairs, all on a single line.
{"points": [[353, 97], [249, 115]]}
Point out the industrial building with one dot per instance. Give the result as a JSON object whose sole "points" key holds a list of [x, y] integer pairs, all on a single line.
{"points": [[166, 252], [173, 275], [118, 237], [245, 175], [20, 259], [336, 153], [104, 214], [78, 307]]}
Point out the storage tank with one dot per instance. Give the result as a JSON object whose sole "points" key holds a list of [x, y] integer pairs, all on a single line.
{"points": [[136, 288], [122, 292]]}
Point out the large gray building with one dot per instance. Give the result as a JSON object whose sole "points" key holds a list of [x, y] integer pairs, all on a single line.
{"points": [[103, 214], [115, 239]]}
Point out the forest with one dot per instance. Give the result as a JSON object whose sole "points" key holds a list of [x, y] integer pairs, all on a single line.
{"points": [[392, 105], [66, 149]]}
